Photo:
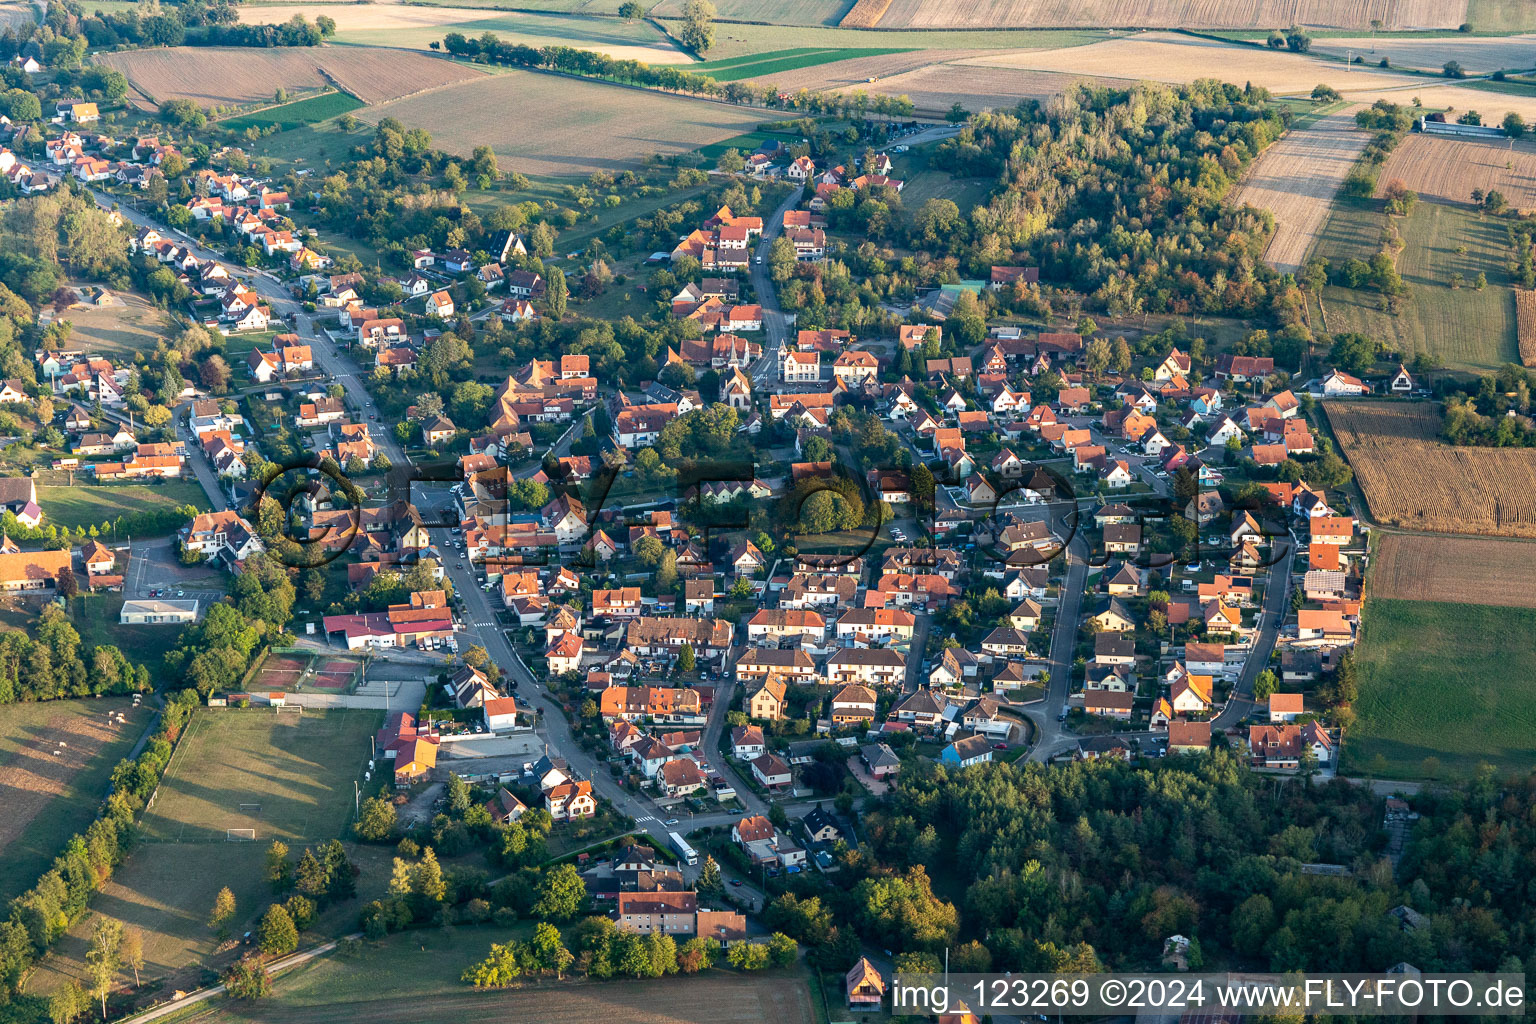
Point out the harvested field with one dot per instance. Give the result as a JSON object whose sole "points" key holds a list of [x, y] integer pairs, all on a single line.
{"points": [[1296, 180], [1461, 570], [210, 76], [735, 39], [1445, 169], [1394, 14], [413, 27], [1410, 479], [117, 331], [55, 761], [1428, 52], [560, 120], [16, 15], [866, 14], [1167, 57], [856, 72], [1525, 325], [933, 87]]}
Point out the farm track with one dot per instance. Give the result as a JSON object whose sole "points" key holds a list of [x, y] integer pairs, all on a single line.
{"points": [[1296, 180]]}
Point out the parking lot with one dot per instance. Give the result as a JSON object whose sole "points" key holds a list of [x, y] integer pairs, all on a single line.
{"points": [[154, 570]]}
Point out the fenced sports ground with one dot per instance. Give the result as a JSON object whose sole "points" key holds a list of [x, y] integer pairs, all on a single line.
{"points": [[262, 774], [295, 670]]}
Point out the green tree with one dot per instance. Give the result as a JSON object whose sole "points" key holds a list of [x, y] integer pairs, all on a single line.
{"points": [[310, 878], [561, 894], [556, 293], [279, 870], [377, 821], [103, 958], [698, 29], [277, 935], [247, 979], [631, 11], [685, 658], [67, 1003], [1264, 685]]}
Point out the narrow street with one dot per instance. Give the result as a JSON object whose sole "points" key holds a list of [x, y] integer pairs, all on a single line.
{"points": [[775, 328]]}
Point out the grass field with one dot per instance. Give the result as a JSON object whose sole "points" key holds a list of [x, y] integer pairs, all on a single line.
{"points": [[288, 776], [1474, 54], [1412, 480], [1452, 681], [49, 798], [117, 332], [735, 39], [559, 119], [88, 505], [296, 114], [777, 62], [1296, 180], [1501, 15], [777, 12], [1463, 570], [923, 184], [391, 981], [1461, 329], [96, 620]]}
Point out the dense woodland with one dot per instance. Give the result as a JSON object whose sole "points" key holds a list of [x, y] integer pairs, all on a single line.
{"points": [[1034, 868]]}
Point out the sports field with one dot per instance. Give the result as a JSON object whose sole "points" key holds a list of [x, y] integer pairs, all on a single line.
{"points": [[55, 760], [1449, 681], [558, 119], [1460, 328], [281, 774]]}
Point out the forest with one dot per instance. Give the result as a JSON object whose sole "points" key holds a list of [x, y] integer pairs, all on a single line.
{"points": [[1096, 863]]}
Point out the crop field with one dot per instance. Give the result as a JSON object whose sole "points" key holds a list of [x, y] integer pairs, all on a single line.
{"points": [[1296, 180], [774, 12], [210, 76], [1393, 14], [1525, 325], [55, 760], [866, 14], [1447, 170], [16, 15], [1431, 52], [1412, 480], [417, 27], [772, 64], [390, 981], [1461, 570], [560, 118], [298, 113], [1461, 328], [1501, 15], [285, 775], [855, 72], [1450, 681]]}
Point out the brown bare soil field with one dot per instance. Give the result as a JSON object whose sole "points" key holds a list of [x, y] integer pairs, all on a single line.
{"points": [[865, 14], [1484, 53], [211, 76], [1443, 169], [1410, 479], [1296, 180], [1394, 14], [16, 15], [565, 126], [1525, 324], [1454, 569]]}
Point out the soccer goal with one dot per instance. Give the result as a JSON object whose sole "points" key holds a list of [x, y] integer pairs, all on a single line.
{"points": [[250, 809], [239, 835], [297, 709]]}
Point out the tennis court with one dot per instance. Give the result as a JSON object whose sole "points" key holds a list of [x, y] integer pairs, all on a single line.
{"points": [[280, 672]]}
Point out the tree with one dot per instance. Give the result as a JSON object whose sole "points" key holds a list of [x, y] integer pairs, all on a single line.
{"points": [[783, 951], [709, 878], [133, 952], [1265, 685], [247, 979], [685, 658], [698, 29], [556, 293], [631, 11], [277, 935], [377, 821], [223, 911], [1453, 69], [67, 1003], [279, 871], [1514, 125], [561, 894], [731, 162], [310, 879], [103, 957]]}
